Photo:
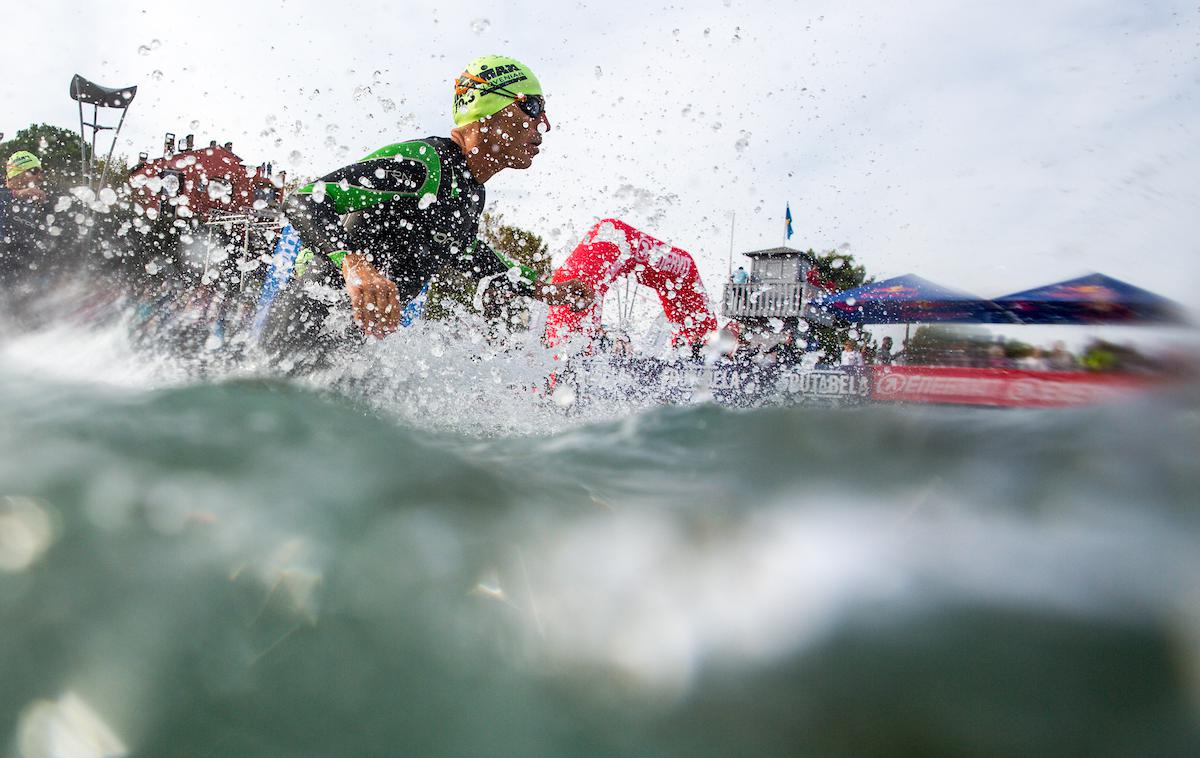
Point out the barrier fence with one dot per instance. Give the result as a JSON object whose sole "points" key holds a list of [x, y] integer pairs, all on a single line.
{"points": [[747, 384], [1000, 387]]}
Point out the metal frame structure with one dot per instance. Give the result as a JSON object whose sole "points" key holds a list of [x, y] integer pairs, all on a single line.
{"points": [[89, 93], [241, 225]]}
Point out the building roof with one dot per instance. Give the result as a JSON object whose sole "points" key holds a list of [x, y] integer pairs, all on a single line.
{"points": [[772, 252]]}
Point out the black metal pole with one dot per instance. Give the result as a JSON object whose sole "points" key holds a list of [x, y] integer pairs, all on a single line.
{"points": [[95, 128], [82, 142], [108, 158]]}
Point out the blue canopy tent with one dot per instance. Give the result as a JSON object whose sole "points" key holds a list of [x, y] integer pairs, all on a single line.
{"points": [[1091, 299], [910, 299]]}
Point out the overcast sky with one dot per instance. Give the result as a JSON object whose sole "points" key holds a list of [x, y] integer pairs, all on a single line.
{"points": [[990, 146]]}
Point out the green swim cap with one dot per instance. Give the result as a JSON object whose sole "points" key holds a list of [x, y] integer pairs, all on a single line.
{"points": [[20, 162], [489, 85]]}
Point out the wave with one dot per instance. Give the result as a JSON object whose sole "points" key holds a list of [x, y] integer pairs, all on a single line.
{"points": [[249, 565]]}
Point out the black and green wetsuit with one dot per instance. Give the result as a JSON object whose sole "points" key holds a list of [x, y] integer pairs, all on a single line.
{"points": [[413, 207]]}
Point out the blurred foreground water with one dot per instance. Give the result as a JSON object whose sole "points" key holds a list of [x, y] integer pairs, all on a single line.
{"points": [[244, 566]]}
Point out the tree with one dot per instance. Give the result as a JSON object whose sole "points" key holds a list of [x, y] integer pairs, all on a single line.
{"points": [[948, 345], [59, 150], [516, 243], [452, 290], [840, 269]]}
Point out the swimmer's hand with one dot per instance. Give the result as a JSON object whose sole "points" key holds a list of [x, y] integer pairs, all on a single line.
{"points": [[575, 293], [374, 300]]}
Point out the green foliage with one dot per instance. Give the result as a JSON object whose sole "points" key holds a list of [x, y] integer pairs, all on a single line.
{"points": [[840, 268], [1015, 349], [516, 243], [59, 150], [932, 343], [453, 290], [1102, 355]]}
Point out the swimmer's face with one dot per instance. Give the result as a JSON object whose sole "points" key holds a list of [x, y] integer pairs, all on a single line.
{"points": [[512, 137], [26, 180]]}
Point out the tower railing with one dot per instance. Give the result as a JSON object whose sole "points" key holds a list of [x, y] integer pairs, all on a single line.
{"points": [[765, 299]]}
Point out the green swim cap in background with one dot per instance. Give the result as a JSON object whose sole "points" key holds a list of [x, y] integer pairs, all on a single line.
{"points": [[489, 85], [20, 162]]}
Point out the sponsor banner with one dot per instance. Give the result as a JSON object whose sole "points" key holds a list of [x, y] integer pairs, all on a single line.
{"points": [[834, 384], [750, 384], [1000, 387]]}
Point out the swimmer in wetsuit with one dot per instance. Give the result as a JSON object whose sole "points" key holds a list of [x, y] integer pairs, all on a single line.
{"points": [[380, 228], [23, 231]]}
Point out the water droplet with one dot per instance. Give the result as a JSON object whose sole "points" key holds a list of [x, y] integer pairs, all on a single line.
{"points": [[143, 49], [156, 75], [564, 396], [155, 44], [599, 72], [426, 200], [480, 25], [387, 105], [742, 143], [295, 157]]}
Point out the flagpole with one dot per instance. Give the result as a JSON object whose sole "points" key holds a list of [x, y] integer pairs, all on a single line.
{"points": [[732, 225]]}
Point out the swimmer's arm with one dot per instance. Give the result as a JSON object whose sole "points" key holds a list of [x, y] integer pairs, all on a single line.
{"points": [[576, 293], [374, 299], [317, 221], [487, 261], [317, 209]]}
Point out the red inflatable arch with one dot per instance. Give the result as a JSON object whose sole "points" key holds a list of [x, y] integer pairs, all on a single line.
{"points": [[613, 249]]}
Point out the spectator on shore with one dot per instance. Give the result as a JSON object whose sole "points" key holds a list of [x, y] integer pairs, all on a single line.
{"points": [[785, 352], [884, 355], [740, 276], [851, 356], [1061, 360], [1033, 361], [622, 346], [997, 358]]}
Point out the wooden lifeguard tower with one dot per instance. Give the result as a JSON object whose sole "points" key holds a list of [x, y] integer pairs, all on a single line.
{"points": [[779, 288]]}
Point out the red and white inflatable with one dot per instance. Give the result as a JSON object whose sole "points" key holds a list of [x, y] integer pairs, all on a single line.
{"points": [[613, 249]]}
